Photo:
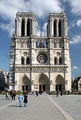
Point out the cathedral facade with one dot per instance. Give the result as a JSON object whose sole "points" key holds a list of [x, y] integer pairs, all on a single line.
{"points": [[39, 63]]}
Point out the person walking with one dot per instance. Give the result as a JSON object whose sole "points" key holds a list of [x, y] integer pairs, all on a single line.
{"points": [[36, 93], [25, 100], [14, 95], [7, 96], [20, 100]]}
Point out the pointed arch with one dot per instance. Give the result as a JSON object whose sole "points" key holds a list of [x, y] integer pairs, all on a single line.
{"points": [[55, 60], [23, 27], [60, 61], [25, 83], [27, 60], [29, 27], [43, 83], [60, 83], [55, 27], [60, 28], [26, 80], [22, 60]]}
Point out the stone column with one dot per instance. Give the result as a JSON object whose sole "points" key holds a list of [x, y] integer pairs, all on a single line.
{"points": [[57, 29], [52, 27], [25, 27], [62, 28], [19, 26], [16, 26], [50, 21], [66, 81], [65, 27], [33, 27]]}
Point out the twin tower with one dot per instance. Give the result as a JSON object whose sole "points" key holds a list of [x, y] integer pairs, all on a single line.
{"points": [[25, 24], [40, 63]]}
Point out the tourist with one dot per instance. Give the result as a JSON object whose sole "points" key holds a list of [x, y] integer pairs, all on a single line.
{"points": [[25, 100], [7, 96], [36, 93], [61, 92], [25, 92], [14, 95], [11, 94], [20, 100], [57, 93]]}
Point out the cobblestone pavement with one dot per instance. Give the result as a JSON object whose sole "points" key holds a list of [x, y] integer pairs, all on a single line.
{"points": [[41, 108], [71, 104]]}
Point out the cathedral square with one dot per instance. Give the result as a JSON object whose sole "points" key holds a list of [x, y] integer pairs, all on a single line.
{"points": [[39, 63]]}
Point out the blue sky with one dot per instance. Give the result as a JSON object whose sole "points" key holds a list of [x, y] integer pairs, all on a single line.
{"points": [[41, 8]]}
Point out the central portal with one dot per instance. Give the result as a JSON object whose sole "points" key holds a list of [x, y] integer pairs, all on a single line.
{"points": [[44, 84], [42, 88]]}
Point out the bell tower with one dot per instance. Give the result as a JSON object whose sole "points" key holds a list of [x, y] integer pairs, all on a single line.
{"points": [[57, 31]]}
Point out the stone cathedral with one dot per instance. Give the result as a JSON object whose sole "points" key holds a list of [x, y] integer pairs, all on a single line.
{"points": [[39, 63]]}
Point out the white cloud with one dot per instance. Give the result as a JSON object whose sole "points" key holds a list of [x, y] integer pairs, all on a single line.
{"points": [[76, 39], [78, 22], [75, 6], [72, 24], [8, 27], [42, 8], [75, 67], [8, 8], [75, 23]]}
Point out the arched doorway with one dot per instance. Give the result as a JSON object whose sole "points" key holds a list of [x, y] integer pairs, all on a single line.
{"points": [[44, 84], [60, 83], [26, 83]]}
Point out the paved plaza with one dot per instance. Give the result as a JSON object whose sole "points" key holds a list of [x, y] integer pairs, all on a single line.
{"points": [[42, 107]]}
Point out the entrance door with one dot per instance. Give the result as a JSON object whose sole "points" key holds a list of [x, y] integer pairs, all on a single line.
{"points": [[40, 88], [44, 88], [26, 87], [22, 88], [56, 87], [60, 87]]}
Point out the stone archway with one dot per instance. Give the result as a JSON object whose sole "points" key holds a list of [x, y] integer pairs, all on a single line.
{"points": [[25, 84], [43, 83], [60, 83]]}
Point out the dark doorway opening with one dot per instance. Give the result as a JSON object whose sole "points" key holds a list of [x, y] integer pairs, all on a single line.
{"points": [[44, 88], [22, 88], [40, 88]]}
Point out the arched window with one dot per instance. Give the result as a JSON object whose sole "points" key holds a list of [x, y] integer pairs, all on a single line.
{"points": [[55, 61], [60, 60], [54, 27], [22, 60], [59, 27], [29, 23], [37, 44], [27, 61], [23, 28]]}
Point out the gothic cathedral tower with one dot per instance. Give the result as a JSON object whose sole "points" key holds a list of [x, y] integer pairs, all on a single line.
{"points": [[40, 63]]}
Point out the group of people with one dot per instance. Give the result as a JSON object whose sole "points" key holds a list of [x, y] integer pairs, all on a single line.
{"points": [[12, 95], [21, 99], [58, 92]]}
